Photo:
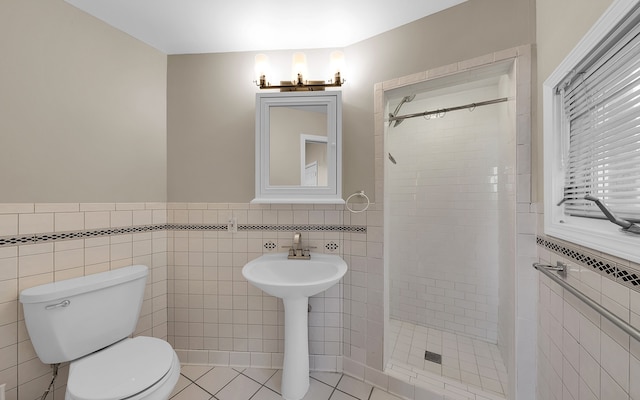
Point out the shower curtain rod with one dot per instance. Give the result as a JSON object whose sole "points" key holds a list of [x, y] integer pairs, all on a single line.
{"points": [[446, 110]]}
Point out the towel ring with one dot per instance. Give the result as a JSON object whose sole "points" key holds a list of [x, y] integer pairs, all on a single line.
{"points": [[361, 194]]}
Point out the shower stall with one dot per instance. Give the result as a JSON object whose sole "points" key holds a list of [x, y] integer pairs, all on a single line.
{"points": [[450, 218]]}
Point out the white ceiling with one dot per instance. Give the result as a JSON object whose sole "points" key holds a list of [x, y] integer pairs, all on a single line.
{"points": [[215, 26]]}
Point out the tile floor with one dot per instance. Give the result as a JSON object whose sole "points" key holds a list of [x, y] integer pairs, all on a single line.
{"points": [[198, 382], [468, 364]]}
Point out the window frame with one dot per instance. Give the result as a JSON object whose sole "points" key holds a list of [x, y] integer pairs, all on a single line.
{"points": [[597, 234]]}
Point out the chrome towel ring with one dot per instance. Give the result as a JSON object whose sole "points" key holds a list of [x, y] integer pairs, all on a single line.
{"points": [[360, 194]]}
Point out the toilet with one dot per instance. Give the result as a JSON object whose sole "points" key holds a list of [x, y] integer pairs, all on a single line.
{"points": [[88, 321]]}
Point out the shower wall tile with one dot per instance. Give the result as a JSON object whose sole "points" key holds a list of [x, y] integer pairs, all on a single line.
{"points": [[511, 319], [442, 71], [441, 194]]}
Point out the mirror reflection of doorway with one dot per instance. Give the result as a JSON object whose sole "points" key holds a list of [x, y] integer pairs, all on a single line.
{"points": [[313, 160], [311, 174]]}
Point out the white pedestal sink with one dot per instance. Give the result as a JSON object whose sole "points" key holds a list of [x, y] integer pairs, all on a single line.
{"points": [[294, 281]]}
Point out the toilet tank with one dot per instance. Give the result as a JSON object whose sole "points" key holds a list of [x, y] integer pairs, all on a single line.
{"points": [[71, 318]]}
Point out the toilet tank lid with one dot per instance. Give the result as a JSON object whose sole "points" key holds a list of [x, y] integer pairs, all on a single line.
{"points": [[83, 284]]}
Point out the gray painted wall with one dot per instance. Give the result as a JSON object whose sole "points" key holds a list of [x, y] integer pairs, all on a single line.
{"points": [[82, 108], [211, 97]]}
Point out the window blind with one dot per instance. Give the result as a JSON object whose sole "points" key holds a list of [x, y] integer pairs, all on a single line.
{"points": [[601, 118]]}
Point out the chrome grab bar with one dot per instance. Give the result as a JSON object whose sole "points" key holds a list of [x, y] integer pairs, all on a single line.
{"points": [[560, 268], [617, 321], [63, 303]]}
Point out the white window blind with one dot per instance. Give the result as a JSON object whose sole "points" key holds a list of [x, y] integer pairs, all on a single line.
{"points": [[601, 118]]}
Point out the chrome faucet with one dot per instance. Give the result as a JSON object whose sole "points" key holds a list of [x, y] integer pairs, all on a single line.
{"points": [[297, 237], [296, 252]]}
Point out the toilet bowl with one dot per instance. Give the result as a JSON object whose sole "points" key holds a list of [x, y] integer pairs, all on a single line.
{"points": [[132, 369], [89, 321]]}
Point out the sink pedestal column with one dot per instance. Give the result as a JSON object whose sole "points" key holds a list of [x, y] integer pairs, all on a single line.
{"points": [[295, 370]]}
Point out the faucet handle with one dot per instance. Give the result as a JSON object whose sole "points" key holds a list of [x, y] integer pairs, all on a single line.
{"points": [[307, 250]]}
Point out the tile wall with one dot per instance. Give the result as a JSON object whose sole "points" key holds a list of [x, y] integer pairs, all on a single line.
{"points": [[196, 296], [42, 243], [445, 195], [517, 315], [582, 355], [216, 316]]}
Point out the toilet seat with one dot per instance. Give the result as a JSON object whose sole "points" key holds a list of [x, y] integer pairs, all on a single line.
{"points": [[120, 371]]}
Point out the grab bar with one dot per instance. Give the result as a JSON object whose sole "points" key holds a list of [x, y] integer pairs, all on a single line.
{"points": [[617, 321]]}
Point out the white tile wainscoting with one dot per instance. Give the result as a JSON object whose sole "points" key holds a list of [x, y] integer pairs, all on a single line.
{"points": [[196, 297], [40, 243], [581, 355]]}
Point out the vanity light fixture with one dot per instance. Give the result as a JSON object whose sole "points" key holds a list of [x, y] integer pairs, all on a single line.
{"points": [[299, 71]]}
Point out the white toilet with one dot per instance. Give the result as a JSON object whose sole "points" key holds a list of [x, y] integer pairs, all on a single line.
{"points": [[88, 321]]}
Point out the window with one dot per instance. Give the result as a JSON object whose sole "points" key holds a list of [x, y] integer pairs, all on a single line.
{"points": [[592, 136]]}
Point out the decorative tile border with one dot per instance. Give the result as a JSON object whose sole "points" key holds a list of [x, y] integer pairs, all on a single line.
{"points": [[619, 273], [54, 237], [304, 228], [6, 241]]}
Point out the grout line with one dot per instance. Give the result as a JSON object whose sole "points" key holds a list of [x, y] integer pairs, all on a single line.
{"points": [[370, 393], [259, 383], [264, 385], [336, 386], [208, 392], [348, 394], [227, 384]]}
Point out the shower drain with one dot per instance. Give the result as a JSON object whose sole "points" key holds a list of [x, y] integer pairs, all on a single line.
{"points": [[433, 357]]}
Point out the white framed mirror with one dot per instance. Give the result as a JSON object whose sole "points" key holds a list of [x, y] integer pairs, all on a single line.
{"points": [[299, 147]]}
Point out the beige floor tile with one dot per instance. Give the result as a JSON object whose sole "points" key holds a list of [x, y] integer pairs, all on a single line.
{"points": [[192, 392], [354, 387], [318, 391], [217, 378], [274, 383], [182, 383], [378, 394], [241, 388], [338, 395], [194, 372], [330, 378], [266, 394], [265, 384], [260, 375]]}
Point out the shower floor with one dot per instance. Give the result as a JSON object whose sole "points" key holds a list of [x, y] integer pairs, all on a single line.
{"points": [[467, 365]]}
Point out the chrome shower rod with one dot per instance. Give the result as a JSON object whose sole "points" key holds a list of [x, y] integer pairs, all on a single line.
{"points": [[446, 110]]}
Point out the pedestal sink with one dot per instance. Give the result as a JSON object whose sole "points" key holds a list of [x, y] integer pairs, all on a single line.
{"points": [[294, 281]]}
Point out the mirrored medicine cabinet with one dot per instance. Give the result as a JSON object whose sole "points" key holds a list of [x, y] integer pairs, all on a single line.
{"points": [[299, 147]]}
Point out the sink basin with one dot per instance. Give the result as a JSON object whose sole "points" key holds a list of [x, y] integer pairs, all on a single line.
{"points": [[281, 277], [294, 281]]}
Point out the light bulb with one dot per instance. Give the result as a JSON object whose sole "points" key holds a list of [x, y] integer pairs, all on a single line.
{"points": [[261, 66], [299, 66], [336, 60]]}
